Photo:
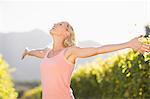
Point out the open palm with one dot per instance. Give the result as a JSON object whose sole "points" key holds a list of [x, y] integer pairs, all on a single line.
{"points": [[24, 53], [135, 44]]}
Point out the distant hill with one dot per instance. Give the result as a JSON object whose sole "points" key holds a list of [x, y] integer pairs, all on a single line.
{"points": [[13, 44]]}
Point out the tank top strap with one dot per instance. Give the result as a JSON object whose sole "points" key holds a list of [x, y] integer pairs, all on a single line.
{"points": [[47, 53], [62, 52]]}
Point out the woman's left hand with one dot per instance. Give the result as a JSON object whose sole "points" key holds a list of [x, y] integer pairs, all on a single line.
{"points": [[135, 44]]}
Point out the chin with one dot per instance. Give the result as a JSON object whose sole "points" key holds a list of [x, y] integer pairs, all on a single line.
{"points": [[51, 31]]}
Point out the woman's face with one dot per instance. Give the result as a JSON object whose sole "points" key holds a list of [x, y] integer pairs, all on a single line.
{"points": [[60, 29]]}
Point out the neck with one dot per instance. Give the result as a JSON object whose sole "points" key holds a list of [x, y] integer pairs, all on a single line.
{"points": [[58, 44]]}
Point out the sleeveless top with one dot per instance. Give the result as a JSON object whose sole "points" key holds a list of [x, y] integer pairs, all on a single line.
{"points": [[56, 74]]}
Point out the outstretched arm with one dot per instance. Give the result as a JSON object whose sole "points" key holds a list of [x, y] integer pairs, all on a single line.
{"points": [[91, 51], [112, 47], [40, 53]]}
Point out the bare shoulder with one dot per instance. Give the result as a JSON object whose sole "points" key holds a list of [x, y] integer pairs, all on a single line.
{"points": [[74, 47], [70, 55], [72, 50]]}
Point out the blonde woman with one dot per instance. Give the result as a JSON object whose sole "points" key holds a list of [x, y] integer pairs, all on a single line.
{"points": [[58, 62]]}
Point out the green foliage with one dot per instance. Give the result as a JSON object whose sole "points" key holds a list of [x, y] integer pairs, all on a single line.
{"points": [[126, 76], [34, 93], [7, 90]]}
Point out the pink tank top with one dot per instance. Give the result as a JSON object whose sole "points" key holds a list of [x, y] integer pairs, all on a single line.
{"points": [[56, 76]]}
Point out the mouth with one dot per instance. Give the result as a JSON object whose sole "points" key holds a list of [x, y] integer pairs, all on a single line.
{"points": [[53, 28]]}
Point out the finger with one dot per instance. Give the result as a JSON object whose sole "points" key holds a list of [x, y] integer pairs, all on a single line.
{"points": [[141, 51], [149, 46], [23, 57], [140, 36], [145, 49], [146, 46]]}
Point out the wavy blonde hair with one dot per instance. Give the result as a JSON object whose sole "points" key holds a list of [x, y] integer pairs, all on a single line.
{"points": [[71, 40]]}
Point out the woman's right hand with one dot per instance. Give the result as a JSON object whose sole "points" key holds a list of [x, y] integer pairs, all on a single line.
{"points": [[25, 53]]}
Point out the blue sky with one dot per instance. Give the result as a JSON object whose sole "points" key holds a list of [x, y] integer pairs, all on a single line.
{"points": [[103, 21]]}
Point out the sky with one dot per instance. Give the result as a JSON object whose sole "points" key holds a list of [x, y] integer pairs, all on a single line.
{"points": [[104, 21]]}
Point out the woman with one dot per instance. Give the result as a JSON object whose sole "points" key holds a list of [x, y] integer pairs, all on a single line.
{"points": [[58, 62]]}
